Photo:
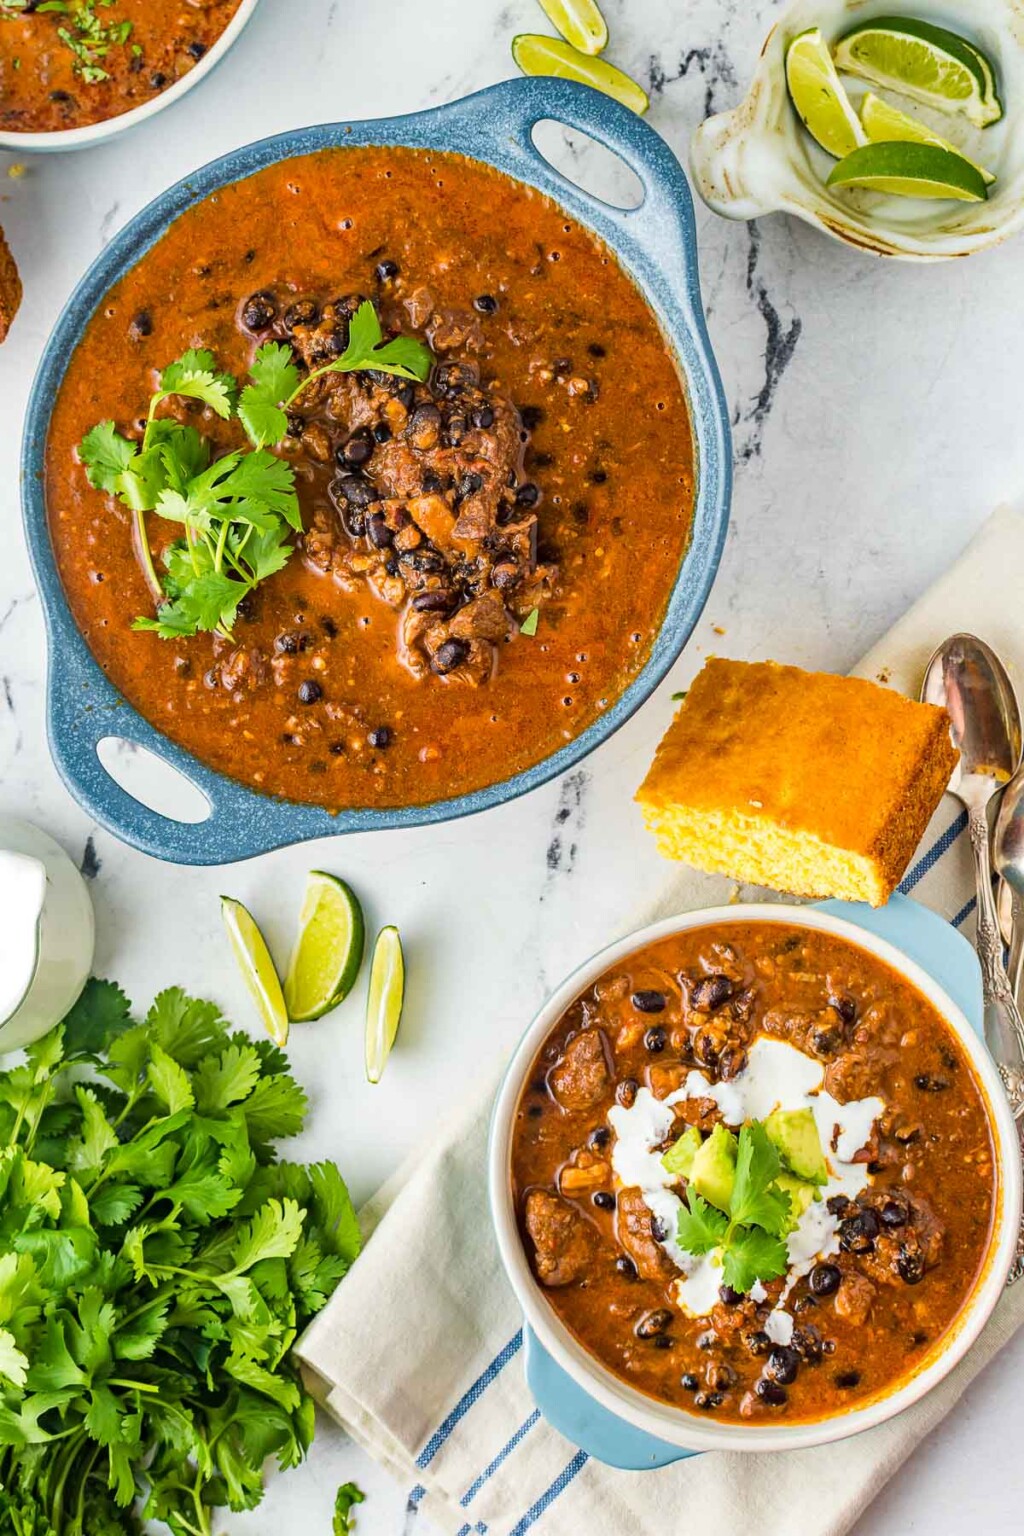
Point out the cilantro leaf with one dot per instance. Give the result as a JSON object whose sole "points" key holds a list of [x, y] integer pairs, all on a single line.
{"points": [[701, 1227], [754, 1200], [106, 455], [404, 356], [101, 1012], [272, 1233], [274, 378], [344, 1521], [195, 376], [753, 1254], [169, 1081]]}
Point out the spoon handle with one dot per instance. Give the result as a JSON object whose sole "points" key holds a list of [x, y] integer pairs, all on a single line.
{"points": [[1004, 1027]]}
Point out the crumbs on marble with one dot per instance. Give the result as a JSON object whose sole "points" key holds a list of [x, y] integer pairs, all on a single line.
{"points": [[718, 629], [884, 676], [17, 170]]}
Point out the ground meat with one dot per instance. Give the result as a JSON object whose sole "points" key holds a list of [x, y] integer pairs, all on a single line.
{"points": [[10, 287], [563, 1239], [581, 1077], [426, 506], [633, 1229]]}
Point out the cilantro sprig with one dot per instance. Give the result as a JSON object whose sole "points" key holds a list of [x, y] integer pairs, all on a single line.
{"points": [[88, 37], [749, 1235], [157, 1263], [277, 382], [236, 512]]}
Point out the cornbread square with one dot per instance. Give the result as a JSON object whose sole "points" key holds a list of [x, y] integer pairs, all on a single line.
{"points": [[801, 781]]}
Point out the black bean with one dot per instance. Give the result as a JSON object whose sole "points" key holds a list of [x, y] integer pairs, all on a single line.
{"points": [[527, 495], [357, 450], [296, 424], [728, 1297], [893, 1214], [302, 312], [379, 737], [910, 1265], [450, 654], [626, 1091], [387, 270], [599, 1137], [469, 485], [505, 575], [353, 490], [422, 560], [928, 1084], [838, 1205], [649, 1001], [857, 1233], [708, 1401], [825, 1042], [452, 378], [378, 532], [625, 1266], [382, 432], [432, 483], [437, 600], [455, 430], [531, 416], [807, 1342], [847, 1379], [484, 417], [711, 992], [782, 1364], [141, 325], [655, 1039], [659, 1231], [689, 1382], [604, 1200], [259, 311], [310, 691], [824, 1279], [423, 428], [486, 303], [845, 1007], [661, 1341], [770, 1392], [707, 1340], [157, 80], [290, 642], [720, 1377], [654, 1322], [196, 50], [599, 476], [804, 1304]]}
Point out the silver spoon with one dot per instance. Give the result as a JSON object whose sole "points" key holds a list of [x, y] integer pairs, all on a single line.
{"points": [[1010, 911], [966, 678], [1008, 857]]}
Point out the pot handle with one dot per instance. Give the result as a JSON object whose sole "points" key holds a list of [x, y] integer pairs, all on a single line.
{"points": [[500, 121], [584, 1422], [84, 709]]}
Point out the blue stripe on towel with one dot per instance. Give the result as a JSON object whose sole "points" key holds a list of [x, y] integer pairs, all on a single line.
{"points": [[965, 912], [928, 860], [506, 1451], [466, 1402], [547, 1498]]}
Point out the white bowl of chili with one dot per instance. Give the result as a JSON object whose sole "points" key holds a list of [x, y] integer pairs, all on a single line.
{"points": [[513, 1155], [89, 58]]}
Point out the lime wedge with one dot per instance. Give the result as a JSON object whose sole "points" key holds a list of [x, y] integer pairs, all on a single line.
{"points": [[539, 55], [885, 124], [580, 23], [328, 948], [384, 1001], [254, 962], [926, 63], [818, 96], [911, 170]]}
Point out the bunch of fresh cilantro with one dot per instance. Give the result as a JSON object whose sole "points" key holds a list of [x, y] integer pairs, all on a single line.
{"points": [[749, 1236], [156, 1264], [237, 512]]}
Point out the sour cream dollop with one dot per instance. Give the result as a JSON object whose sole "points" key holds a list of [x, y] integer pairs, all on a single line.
{"points": [[777, 1076]]}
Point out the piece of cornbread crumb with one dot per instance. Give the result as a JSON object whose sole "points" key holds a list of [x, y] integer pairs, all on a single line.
{"points": [[802, 781]]}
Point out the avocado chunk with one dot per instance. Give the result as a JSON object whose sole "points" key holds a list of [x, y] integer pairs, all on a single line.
{"points": [[714, 1168], [795, 1137], [800, 1196], [680, 1155]]}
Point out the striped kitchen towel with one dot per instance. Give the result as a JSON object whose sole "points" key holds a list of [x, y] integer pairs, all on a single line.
{"points": [[439, 1396]]}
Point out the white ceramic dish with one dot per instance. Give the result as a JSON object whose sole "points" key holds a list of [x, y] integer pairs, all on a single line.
{"points": [[676, 1426], [96, 133], [47, 946], [759, 159]]}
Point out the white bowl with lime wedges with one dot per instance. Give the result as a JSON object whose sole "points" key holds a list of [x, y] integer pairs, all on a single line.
{"points": [[899, 132]]}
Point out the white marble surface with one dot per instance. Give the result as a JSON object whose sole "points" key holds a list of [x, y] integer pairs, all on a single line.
{"points": [[877, 413]]}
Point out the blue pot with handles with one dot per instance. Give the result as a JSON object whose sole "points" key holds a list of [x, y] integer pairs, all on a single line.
{"points": [[655, 243]]}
